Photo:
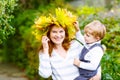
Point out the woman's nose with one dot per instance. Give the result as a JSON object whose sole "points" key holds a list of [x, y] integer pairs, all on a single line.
{"points": [[58, 34]]}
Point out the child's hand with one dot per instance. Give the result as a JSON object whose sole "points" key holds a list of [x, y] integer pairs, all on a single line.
{"points": [[76, 24], [76, 62]]}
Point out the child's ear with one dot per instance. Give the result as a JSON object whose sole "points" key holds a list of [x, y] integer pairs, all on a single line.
{"points": [[97, 38]]}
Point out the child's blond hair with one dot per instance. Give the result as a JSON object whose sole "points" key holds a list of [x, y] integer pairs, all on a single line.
{"points": [[96, 28]]}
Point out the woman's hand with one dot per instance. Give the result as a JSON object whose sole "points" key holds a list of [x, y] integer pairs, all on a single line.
{"points": [[45, 40], [76, 62], [96, 77]]}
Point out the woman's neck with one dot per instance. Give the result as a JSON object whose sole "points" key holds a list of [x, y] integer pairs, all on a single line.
{"points": [[58, 46], [60, 50]]}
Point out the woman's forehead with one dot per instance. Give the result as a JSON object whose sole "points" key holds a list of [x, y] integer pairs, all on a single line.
{"points": [[57, 28]]}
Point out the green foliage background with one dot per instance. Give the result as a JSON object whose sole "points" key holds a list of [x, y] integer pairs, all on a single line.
{"points": [[6, 10], [17, 44]]}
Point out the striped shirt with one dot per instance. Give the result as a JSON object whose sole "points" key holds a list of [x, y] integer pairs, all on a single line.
{"points": [[60, 68]]}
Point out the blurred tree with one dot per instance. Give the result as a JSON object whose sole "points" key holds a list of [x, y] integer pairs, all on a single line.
{"points": [[26, 4], [108, 4], [6, 10]]}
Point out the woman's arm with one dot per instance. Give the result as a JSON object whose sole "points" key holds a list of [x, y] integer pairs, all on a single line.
{"points": [[44, 59], [44, 65]]}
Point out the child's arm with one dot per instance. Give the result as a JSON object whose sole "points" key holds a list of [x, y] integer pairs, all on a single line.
{"points": [[79, 35], [94, 56], [76, 24], [96, 77]]}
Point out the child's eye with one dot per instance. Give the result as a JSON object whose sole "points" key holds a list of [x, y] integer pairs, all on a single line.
{"points": [[87, 35]]}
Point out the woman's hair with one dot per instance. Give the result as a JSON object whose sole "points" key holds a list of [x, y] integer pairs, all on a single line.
{"points": [[96, 28], [65, 44]]}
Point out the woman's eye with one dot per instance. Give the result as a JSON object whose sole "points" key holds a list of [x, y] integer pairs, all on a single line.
{"points": [[53, 31], [61, 31]]}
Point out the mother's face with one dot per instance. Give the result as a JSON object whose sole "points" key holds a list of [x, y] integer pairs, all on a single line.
{"points": [[57, 35]]}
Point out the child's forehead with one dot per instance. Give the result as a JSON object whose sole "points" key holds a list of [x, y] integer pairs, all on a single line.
{"points": [[88, 30], [92, 29]]}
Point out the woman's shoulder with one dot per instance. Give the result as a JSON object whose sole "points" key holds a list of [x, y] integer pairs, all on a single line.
{"points": [[75, 44]]}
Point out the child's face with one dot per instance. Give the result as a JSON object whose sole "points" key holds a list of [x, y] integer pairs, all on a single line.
{"points": [[89, 38]]}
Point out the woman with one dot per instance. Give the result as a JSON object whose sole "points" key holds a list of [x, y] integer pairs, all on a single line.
{"points": [[58, 51]]}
